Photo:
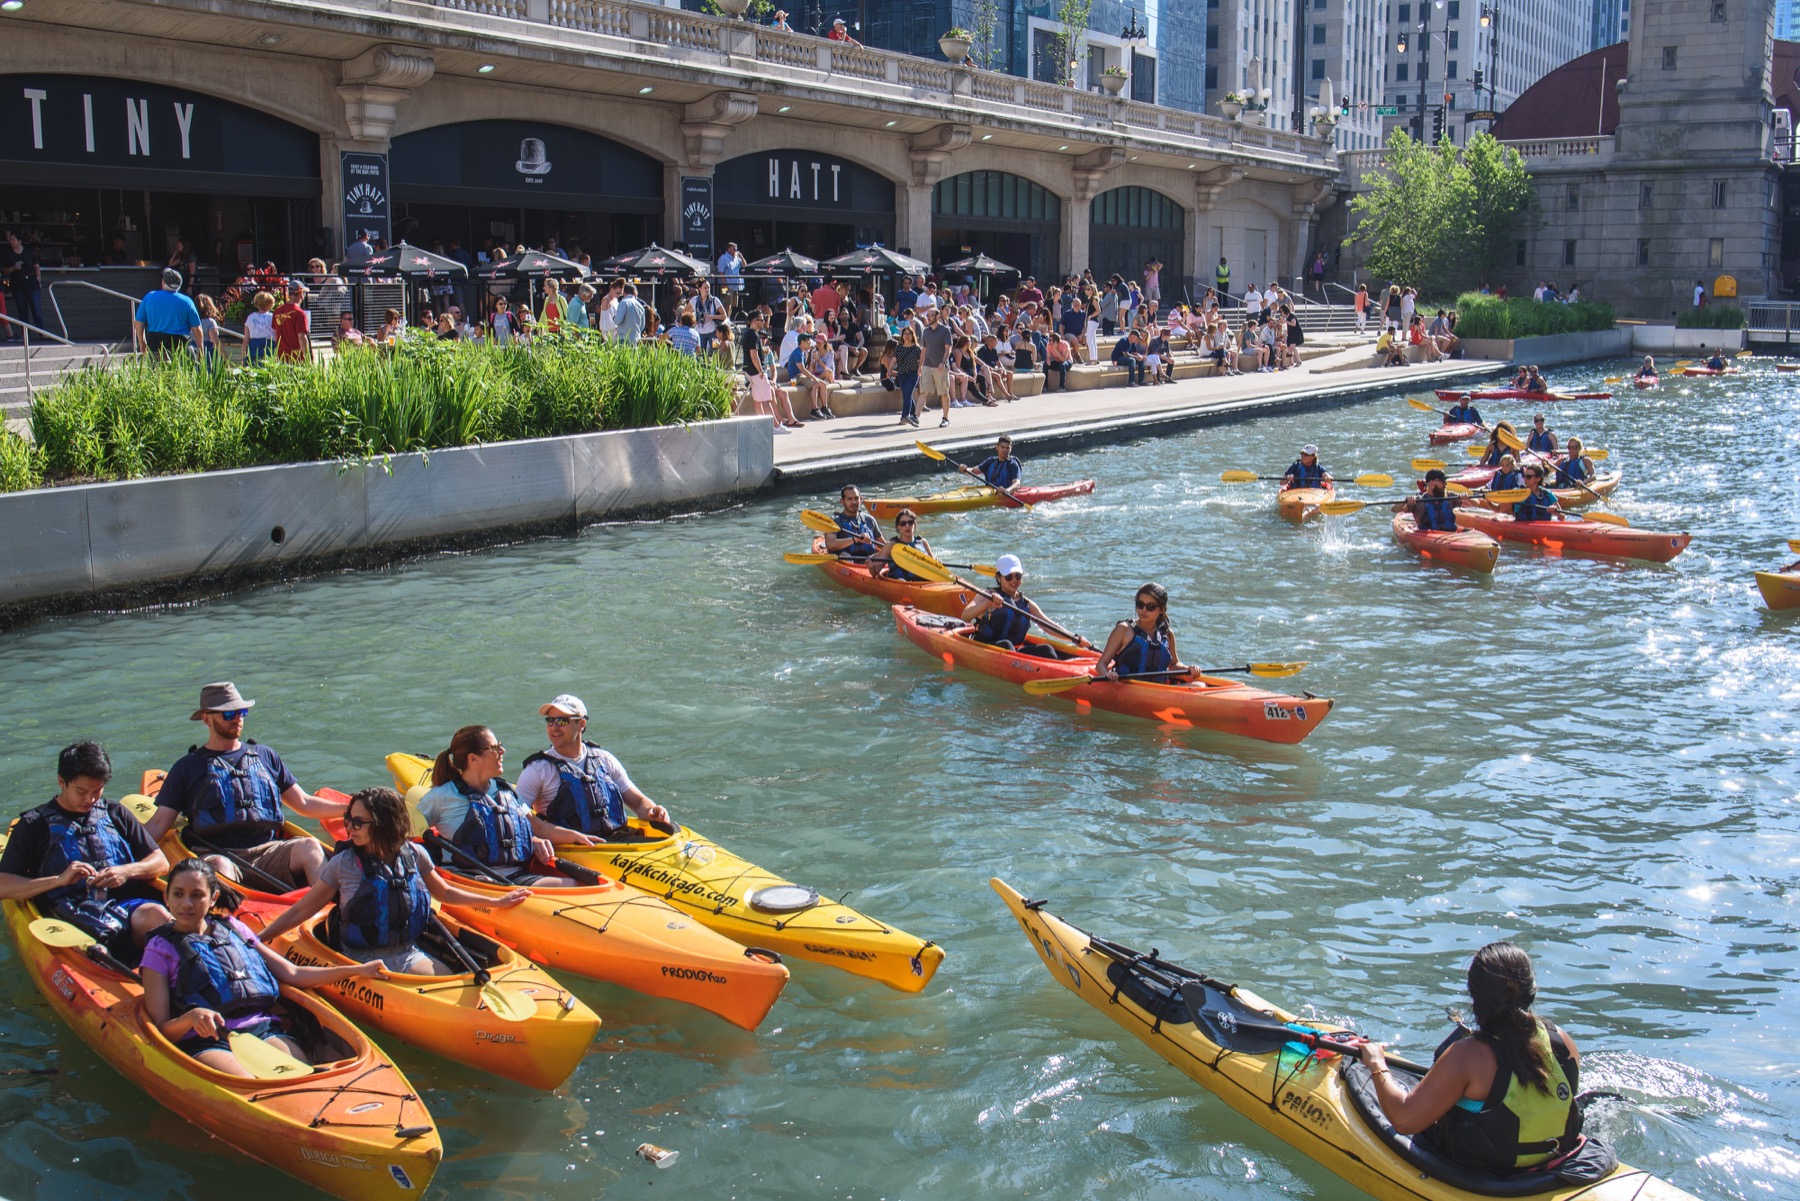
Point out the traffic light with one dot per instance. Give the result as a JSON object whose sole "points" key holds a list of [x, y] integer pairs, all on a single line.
{"points": [[1344, 106], [1437, 125], [1478, 79]]}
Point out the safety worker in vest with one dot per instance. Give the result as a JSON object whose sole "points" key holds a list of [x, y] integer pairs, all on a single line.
{"points": [[1501, 1097], [1222, 279], [1306, 472], [1000, 469], [1000, 616], [86, 859], [1434, 508], [1145, 645], [473, 805], [577, 785], [383, 884], [857, 536]]}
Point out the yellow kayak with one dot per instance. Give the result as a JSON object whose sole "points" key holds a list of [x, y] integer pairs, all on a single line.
{"points": [[1780, 589], [974, 496], [1318, 1105], [734, 897]]}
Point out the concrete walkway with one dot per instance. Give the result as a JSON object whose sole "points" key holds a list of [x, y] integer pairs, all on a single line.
{"points": [[876, 446]]}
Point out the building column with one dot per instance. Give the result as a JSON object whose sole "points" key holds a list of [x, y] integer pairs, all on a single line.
{"points": [[1306, 202], [912, 220], [1209, 186], [705, 126], [929, 152], [1091, 171], [376, 83]]}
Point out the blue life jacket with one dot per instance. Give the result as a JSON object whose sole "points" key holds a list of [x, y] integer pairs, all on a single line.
{"points": [[1465, 412], [863, 529], [497, 830], [1000, 474], [1143, 653], [1004, 623], [89, 838], [1307, 477], [1542, 441], [586, 798], [392, 906], [1571, 473], [238, 800], [1715, 364], [1435, 513], [894, 570], [1495, 452], [1505, 480], [219, 971], [1535, 507]]}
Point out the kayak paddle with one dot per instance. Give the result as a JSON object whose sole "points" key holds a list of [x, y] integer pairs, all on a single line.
{"points": [[1268, 671], [932, 452], [264, 1059], [1194, 994], [806, 560], [1420, 405], [1372, 479], [1794, 545], [819, 523], [921, 564]]}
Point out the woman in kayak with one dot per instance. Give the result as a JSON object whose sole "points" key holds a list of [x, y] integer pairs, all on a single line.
{"points": [[857, 535], [1520, 379], [1306, 471], [1146, 644], [207, 977], [1000, 616], [1534, 380], [472, 805], [1496, 449], [1717, 362], [1500, 1098], [1539, 503], [906, 527], [1576, 468], [1463, 412], [383, 883], [1542, 439], [1648, 369], [1507, 476]]}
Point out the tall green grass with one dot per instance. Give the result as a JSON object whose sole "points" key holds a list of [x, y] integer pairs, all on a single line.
{"points": [[1479, 316], [1716, 316], [163, 416]]}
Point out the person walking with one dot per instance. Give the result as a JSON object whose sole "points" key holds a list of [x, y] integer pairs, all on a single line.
{"points": [[23, 277], [934, 363], [165, 319]]}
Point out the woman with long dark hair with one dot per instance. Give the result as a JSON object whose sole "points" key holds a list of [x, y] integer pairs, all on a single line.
{"points": [[1500, 1097], [472, 805], [1146, 643]]}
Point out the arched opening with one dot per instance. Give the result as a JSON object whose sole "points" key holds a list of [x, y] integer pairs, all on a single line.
{"points": [[1007, 216], [1130, 228]]}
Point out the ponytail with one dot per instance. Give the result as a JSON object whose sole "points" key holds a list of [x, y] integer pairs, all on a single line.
{"points": [[1161, 596], [453, 759], [1503, 988]]}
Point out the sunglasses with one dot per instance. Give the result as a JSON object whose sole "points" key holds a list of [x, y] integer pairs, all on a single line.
{"points": [[1017, 575], [231, 714], [495, 749], [559, 722], [1148, 606], [906, 521], [357, 823]]}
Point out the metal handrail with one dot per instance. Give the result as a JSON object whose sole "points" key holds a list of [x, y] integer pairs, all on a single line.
{"points": [[56, 307], [25, 350]]}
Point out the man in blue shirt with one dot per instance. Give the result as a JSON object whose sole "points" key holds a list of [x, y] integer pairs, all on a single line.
{"points": [[1000, 469], [1129, 353], [730, 268], [907, 297], [165, 319], [682, 337], [817, 391]]}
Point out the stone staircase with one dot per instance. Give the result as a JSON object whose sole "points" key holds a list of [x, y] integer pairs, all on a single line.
{"points": [[48, 363]]}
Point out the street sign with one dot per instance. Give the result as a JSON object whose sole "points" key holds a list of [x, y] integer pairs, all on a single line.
{"points": [[1387, 110], [1483, 114]]}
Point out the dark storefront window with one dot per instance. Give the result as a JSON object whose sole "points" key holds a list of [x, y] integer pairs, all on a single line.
{"points": [[817, 204], [1128, 227], [1010, 218]]}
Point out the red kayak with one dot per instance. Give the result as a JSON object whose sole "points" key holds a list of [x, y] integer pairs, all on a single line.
{"points": [[1709, 371], [1456, 431], [1522, 394], [1645, 381], [1580, 537], [1471, 549]]}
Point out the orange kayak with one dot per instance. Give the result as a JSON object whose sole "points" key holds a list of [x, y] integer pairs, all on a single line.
{"points": [[1581, 537], [1209, 703], [1454, 431], [1780, 589], [1300, 504], [1453, 548], [948, 599], [353, 1128]]}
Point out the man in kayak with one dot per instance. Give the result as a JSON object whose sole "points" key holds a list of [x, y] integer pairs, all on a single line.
{"points": [[1306, 472], [1500, 1098], [857, 535], [231, 791], [1463, 412], [1000, 616], [1717, 362], [1434, 508], [1000, 469], [85, 859], [1540, 503], [575, 784], [1542, 439], [1648, 369]]}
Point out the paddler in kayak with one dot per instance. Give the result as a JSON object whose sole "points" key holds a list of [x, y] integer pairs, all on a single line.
{"points": [[1521, 378], [1496, 449], [1542, 439], [1507, 476], [1534, 380], [1576, 468], [1500, 1098], [1000, 469], [999, 617], [383, 883], [1648, 369], [575, 784], [858, 536], [1540, 504], [206, 976], [1463, 412], [85, 859], [1434, 508], [1306, 472], [472, 805], [232, 790], [1144, 644], [906, 527], [1717, 362]]}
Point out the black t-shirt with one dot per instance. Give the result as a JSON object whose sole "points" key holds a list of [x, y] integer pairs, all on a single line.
{"points": [[182, 786], [755, 341], [30, 840], [989, 355]]}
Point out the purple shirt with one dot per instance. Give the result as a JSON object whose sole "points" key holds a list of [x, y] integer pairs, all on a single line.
{"points": [[160, 955]]}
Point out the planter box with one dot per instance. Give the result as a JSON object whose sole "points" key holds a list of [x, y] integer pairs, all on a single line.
{"points": [[67, 547], [1551, 349]]}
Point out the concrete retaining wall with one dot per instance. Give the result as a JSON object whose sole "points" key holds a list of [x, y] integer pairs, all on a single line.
{"points": [[1666, 339], [65, 548], [1553, 348]]}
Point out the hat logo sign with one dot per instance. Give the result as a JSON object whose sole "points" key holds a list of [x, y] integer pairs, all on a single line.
{"points": [[531, 158]]}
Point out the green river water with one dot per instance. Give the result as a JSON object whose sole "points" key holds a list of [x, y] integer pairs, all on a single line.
{"points": [[1593, 758]]}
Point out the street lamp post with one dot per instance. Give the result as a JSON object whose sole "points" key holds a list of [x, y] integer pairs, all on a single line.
{"points": [[1133, 35], [1425, 36], [1490, 21]]}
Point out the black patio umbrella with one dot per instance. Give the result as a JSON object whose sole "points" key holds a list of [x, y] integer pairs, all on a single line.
{"points": [[879, 259], [786, 263], [981, 264], [404, 260], [532, 264], [653, 261]]}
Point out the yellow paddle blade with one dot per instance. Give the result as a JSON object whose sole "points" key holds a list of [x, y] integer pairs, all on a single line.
{"points": [[1598, 454], [1605, 518], [1474, 452], [920, 563], [1508, 496], [1420, 405], [804, 560], [932, 452], [1511, 440], [1046, 687], [1374, 479], [141, 806], [1613, 379], [1745, 354], [54, 933], [1276, 671], [812, 519], [507, 1006], [1430, 465], [265, 1060], [1457, 489], [1684, 363], [1238, 477], [1794, 545], [1340, 508]]}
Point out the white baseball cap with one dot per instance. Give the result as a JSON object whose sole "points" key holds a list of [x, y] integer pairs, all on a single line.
{"points": [[568, 706], [1309, 449], [1008, 564]]}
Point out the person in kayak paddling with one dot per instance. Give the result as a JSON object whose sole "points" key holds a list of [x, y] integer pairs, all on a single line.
{"points": [[85, 859], [207, 976], [1496, 449], [231, 790], [1507, 476], [1648, 369], [1542, 439], [1521, 378], [1434, 508], [1500, 1098], [383, 883], [1540, 503], [999, 617], [1000, 469], [906, 525], [1576, 468], [472, 804], [1534, 380], [857, 535], [1717, 361], [1306, 472], [1145, 644], [575, 784], [1463, 412]]}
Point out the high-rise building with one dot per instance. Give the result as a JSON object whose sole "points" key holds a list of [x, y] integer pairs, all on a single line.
{"points": [[1345, 42], [1252, 45], [1612, 22], [1449, 44], [1787, 20]]}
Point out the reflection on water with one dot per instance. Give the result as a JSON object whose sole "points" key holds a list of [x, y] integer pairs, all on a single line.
{"points": [[1594, 758]]}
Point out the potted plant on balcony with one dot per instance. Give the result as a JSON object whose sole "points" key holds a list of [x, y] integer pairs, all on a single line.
{"points": [[732, 8], [955, 44], [1113, 80], [1232, 103]]}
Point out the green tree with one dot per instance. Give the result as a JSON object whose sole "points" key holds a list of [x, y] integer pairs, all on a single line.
{"points": [[1439, 218], [1073, 14]]}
